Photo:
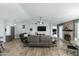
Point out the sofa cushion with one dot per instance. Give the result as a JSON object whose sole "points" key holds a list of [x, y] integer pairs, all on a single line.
{"points": [[45, 38], [33, 38], [39, 40]]}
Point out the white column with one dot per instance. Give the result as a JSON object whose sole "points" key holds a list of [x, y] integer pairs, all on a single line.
{"points": [[61, 32]]}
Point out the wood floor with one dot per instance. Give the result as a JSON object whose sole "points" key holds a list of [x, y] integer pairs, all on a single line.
{"points": [[16, 48]]}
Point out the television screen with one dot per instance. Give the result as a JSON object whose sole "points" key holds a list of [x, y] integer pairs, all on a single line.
{"points": [[41, 28], [54, 31]]}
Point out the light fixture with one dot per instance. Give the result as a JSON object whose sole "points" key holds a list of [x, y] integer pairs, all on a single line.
{"points": [[40, 21]]}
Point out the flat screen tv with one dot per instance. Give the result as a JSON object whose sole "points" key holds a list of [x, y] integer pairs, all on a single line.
{"points": [[54, 31], [41, 28]]}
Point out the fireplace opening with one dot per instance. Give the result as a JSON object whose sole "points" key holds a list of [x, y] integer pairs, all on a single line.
{"points": [[67, 37]]}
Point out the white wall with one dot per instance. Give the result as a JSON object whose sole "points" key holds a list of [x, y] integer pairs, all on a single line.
{"points": [[18, 28], [2, 30]]}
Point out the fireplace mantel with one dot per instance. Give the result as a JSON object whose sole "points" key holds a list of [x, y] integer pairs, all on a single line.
{"points": [[68, 30]]}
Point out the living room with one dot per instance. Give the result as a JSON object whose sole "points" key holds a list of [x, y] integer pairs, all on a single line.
{"points": [[39, 29]]}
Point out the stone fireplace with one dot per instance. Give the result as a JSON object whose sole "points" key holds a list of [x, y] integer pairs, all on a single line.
{"points": [[68, 30]]}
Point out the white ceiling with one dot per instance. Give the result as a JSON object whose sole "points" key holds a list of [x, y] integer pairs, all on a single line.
{"points": [[12, 12], [51, 12]]}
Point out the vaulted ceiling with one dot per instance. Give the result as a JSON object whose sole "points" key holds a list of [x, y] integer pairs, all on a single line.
{"points": [[28, 12]]}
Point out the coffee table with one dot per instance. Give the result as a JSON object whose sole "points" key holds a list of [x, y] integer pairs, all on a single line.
{"points": [[76, 46]]}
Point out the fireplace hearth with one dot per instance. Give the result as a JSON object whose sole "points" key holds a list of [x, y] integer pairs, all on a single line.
{"points": [[67, 37]]}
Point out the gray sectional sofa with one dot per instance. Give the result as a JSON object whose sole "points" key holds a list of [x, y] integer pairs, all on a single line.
{"points": [[39, 40]]}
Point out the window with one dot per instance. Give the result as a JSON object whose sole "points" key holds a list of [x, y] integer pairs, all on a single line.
{"points": [[77, 29]]}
